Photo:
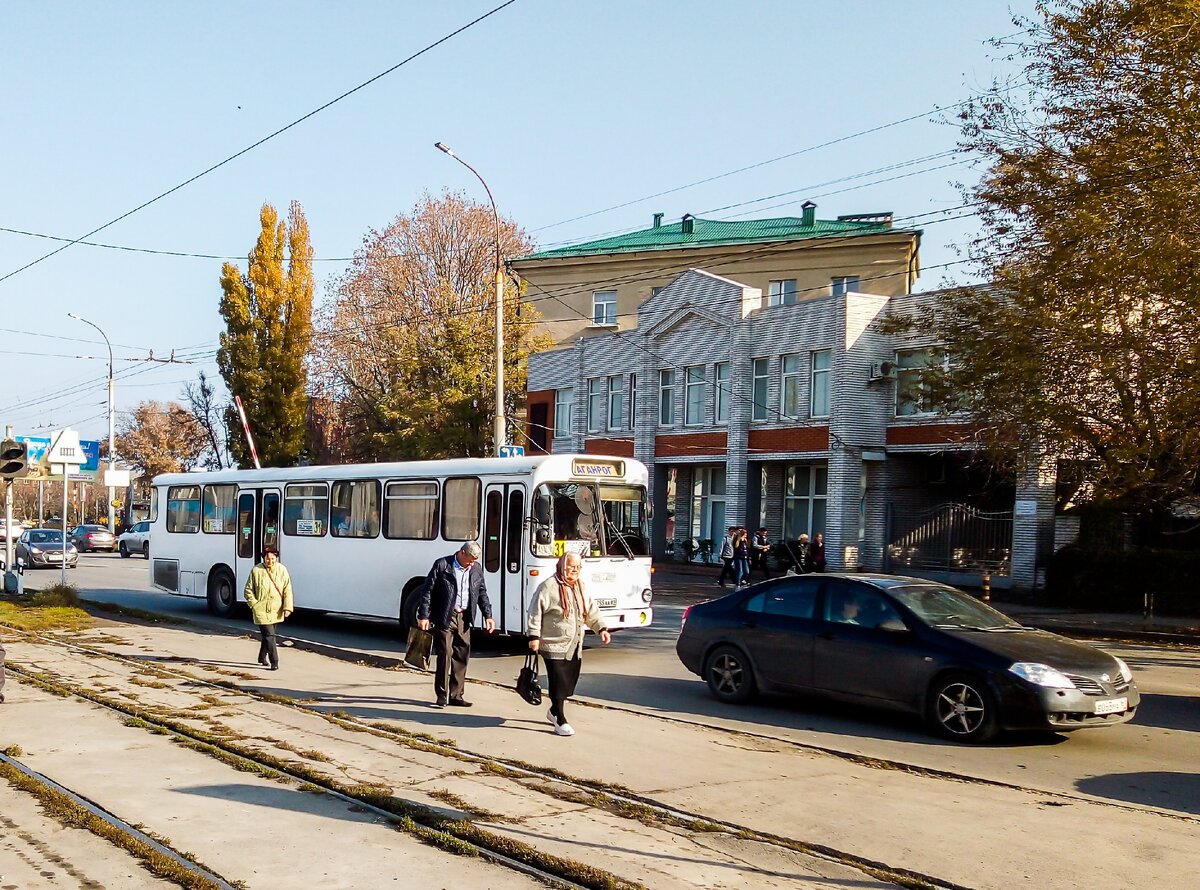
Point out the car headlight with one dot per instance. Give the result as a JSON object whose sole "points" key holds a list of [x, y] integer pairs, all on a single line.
{"points": [[1042, 675], [36, 550], [1126, 673], [647, 595]]}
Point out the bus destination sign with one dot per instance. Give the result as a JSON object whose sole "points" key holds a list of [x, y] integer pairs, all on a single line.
{"points": [[598, 468]]}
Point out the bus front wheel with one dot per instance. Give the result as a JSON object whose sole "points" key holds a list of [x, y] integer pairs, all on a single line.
{"points": [[222, 593]]}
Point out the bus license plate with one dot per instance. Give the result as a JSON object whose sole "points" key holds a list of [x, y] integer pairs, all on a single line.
{"points": [[610, 602], [1112, 706]]}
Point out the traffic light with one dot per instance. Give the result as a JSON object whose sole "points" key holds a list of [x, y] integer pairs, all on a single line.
{"points": [[14, 459]]}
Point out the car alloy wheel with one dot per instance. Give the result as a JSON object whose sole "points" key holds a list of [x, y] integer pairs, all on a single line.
{"points": [[963, 709], [729, 675]]}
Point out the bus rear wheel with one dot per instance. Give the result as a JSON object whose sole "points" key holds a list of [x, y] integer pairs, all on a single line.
{"points": [[222, 593]]}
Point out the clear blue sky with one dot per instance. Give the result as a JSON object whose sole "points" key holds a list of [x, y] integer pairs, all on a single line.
{"points": [[565, 107]]}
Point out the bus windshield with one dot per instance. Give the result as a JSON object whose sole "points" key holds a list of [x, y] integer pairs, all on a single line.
{"points": [[567, 518], [626, 519]]}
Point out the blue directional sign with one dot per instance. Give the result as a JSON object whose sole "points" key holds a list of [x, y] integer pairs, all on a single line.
{"points": [[512, 450], [39, 445]]}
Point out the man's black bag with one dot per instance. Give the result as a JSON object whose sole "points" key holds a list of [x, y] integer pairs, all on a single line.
{"points": [[528, 686]]}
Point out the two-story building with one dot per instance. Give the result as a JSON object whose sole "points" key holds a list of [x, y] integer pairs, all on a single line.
{"points": [[795, 415]]}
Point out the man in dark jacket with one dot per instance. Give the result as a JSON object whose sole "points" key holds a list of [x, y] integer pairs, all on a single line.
{"points": [[454, 588]]}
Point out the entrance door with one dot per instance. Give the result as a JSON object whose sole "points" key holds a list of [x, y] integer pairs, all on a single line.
{"points": [[257, 527], [503, 561]]}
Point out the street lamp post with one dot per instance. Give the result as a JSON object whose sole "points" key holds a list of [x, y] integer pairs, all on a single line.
{"points": [[499, 433], [111, 414]]}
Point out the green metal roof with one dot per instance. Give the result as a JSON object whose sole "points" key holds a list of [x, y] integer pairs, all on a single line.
{"points": [[711, 232]]}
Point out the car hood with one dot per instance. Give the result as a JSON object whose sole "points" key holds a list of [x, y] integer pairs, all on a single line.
{"points": [[49, 545], [1041, 647]]}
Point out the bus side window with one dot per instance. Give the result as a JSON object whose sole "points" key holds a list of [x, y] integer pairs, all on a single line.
{"points": [[245, 526], [460, 509], [270, 523]]}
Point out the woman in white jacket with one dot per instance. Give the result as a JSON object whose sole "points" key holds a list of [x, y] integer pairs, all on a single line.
{"points": [[556, 623]]}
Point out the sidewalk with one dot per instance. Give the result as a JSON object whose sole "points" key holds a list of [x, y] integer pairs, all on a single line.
{"points": [[672, 577]]}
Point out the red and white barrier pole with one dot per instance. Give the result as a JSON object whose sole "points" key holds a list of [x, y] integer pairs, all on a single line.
{"points": [[237, 400]]}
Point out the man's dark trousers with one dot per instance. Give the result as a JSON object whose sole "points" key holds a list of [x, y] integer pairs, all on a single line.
{"points": [[452, 649]]}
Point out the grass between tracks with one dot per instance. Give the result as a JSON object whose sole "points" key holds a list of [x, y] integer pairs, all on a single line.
{"points": [[55, 608]]}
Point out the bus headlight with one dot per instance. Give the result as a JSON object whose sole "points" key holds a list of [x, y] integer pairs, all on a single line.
{"points": [[647, 595]]}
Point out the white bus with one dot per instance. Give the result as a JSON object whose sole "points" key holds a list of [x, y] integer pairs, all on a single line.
{"points": [[361, 538]]}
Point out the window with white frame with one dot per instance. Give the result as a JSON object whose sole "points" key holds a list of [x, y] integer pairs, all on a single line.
{"points": [[693, 398], [844, 284], [805, 495], [722, 392], [633, 401], [655, 291], [595, 404], [790, 385], [760, 391], [822, 361], [604, 307], [616, 401], [782, 292], [913, 395], [564, 409], [666, 397]]}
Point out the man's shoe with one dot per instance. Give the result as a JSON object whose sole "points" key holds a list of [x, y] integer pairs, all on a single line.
{"points": [[440, 703], [459, 703], [274, 667], [264, 662], [564, 729]]}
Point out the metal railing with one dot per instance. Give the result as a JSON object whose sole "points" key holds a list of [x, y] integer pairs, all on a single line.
{"points": [[951, 538]]}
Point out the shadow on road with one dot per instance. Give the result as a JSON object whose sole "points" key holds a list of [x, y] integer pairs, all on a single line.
{"points": [[1167, 791]]}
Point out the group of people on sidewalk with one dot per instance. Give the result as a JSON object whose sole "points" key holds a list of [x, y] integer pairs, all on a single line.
{"points": [[454, 590], [741, 553]]}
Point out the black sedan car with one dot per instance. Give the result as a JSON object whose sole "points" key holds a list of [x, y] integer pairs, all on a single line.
{"points": [[903, 643], [43, 547]]}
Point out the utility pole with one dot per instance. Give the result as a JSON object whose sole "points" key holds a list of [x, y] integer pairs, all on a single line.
{"points": [[112, 405]]}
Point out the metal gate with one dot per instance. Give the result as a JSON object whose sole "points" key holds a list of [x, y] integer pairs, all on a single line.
{"points": [[950, 538]]}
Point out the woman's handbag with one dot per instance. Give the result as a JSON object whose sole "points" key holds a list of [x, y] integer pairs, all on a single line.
{"points": [[528, 686], [420, 643]]}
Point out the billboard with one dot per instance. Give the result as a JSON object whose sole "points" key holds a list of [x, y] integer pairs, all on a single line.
{"points": [[38, 446]]}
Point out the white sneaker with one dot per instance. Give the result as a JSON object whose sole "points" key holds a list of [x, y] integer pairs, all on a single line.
{"points": [[564, 729], [550, 718]]}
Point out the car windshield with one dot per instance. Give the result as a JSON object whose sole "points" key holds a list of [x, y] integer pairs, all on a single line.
{"points": [[45, 537], [946, 607]]}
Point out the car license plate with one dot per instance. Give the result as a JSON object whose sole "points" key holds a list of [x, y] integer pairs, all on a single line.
{"points": [[608, 602], [1112, 706], [50, 557]]}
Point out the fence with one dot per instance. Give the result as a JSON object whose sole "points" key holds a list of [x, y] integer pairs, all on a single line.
{"points": [[950, 538]]}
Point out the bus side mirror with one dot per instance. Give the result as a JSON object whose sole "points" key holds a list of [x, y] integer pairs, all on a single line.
{"points": [[541, 509], [544, 535]]}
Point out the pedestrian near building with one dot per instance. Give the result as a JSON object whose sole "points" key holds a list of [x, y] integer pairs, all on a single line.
{"points": [[816, 553], [726, 555], [557, 617], [741, 557], [760, 552], [269, 595], [799, 555], [453, 590]]}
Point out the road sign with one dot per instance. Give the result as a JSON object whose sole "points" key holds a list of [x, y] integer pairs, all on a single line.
{"points": [[512, 450], [39, 467]]}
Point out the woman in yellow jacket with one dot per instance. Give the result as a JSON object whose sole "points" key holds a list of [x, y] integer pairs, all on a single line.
{"points": [[269, 595]]}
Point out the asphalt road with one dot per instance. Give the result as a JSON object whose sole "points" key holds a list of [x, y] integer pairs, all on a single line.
{"points": [[1151, 762]]}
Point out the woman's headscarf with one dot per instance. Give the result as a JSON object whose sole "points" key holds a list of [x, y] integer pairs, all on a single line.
{"points": [[565, 587]]}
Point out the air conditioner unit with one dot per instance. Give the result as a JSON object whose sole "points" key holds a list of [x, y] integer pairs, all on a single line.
{"points": [[883, 371]]}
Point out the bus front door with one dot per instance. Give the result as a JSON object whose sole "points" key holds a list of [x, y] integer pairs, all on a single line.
{"points": [[503, 562], [258, 526]]}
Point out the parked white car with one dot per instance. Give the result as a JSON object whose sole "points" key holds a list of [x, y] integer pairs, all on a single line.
{"points": [[135, 539]]}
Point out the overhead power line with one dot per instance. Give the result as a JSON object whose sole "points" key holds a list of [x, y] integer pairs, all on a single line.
{"points": [[263, 140]]}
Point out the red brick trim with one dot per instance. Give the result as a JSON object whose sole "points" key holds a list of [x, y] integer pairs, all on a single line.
{"points": [[795, 438], [933, 434], [615, 447], [691, 445]]}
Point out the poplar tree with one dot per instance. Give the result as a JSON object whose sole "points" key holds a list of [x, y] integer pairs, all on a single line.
{"points": [[268, 330], [1086, 346]]}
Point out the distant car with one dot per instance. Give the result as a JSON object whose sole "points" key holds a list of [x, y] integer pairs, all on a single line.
{"points": [[903, 643], [43, 547], [87, 538], [135, 539]]}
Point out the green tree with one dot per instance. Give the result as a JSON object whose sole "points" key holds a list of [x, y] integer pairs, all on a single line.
{"points": [[268, 331], [406, 347], [1086, 346]]}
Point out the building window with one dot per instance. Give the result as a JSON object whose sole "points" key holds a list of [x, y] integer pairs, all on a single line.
{"points": [[595, 404], [655, 291], [790, 398], [693, 410], [819, 402], [708, 507], [722, 393], [805, 491], [604, 307], [843, 285], [633, 401], [564, 409], [666, 397], [781, 293], [762, 381], [913, 395], [616, 401]]}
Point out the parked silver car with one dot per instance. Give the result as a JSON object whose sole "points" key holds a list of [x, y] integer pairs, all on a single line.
{"points": [[135, 539], [43, 547]]}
